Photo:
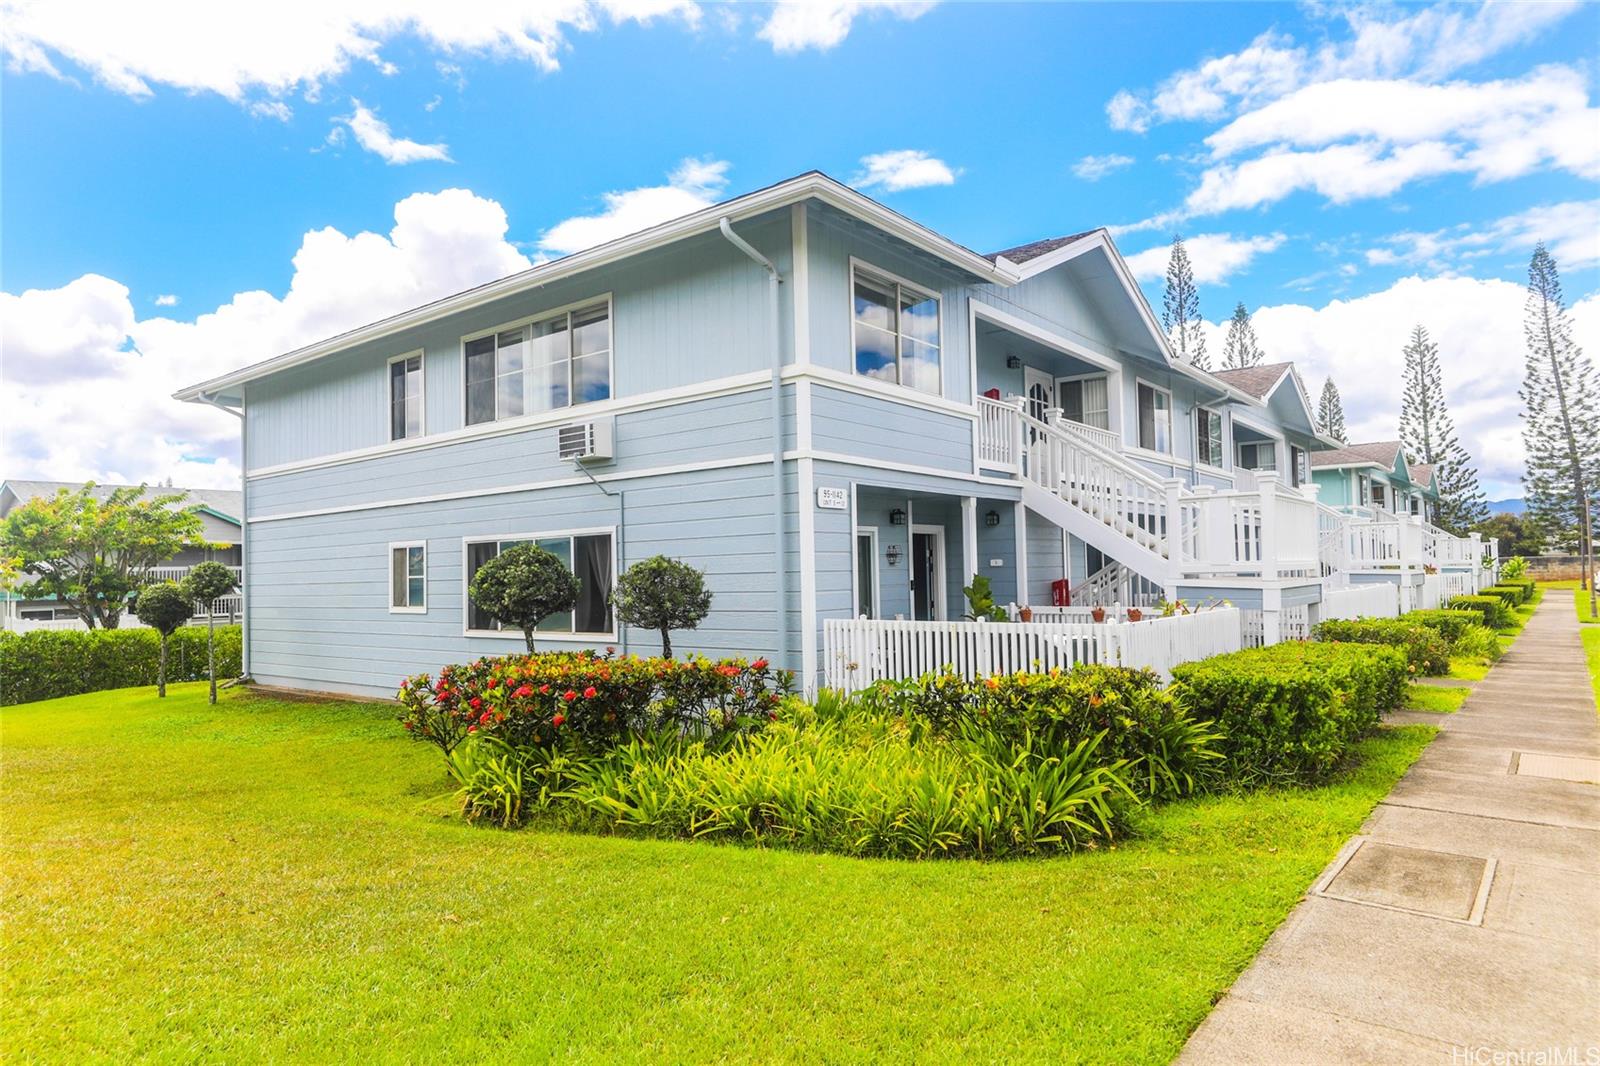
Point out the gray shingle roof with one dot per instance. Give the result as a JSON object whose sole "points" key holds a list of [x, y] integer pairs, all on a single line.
{"points": [[1257, 381], [1421, 473], [227, 502], [1380, 452], [1024, 252]]}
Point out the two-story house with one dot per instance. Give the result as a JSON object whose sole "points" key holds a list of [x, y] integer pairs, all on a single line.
{"points": [[1374, 477], [832, 410]]}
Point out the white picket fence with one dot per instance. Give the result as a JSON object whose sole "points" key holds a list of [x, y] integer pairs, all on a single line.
{"points": [[859, 652], [1453, 583], [225, 610], [1377, 600]]}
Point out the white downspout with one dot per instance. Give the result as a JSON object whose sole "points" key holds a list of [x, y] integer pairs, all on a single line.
{"points": [[244, 534], [780, 560]]}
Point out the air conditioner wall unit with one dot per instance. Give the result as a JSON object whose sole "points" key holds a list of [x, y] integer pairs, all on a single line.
{"points": [[587, 442]]}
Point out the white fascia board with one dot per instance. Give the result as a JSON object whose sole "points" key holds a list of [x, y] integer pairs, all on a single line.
{"points": [[807, 186]]}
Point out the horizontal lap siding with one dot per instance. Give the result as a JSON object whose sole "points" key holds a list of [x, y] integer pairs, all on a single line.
{"points": [[849, 423], [319, 607], [1046, 559]]}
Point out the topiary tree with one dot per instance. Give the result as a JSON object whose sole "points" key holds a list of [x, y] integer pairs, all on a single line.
{"points": [[662, 594], [524, 585], [205, 584], [163, 608]]}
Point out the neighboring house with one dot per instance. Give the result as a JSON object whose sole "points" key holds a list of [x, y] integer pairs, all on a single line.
{"points": [[831, 409], [1374, 478], [221, 516]]}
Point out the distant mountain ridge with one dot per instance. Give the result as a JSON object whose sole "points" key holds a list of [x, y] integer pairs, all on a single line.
{"points": [[1511, 506]]}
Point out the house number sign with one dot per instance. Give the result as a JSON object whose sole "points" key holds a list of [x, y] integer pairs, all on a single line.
{"points": [[833, 499]]}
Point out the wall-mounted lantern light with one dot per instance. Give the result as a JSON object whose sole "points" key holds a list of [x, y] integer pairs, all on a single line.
{"points": [[992, 518], [894, 554], [1013, 363], [897, 517]]}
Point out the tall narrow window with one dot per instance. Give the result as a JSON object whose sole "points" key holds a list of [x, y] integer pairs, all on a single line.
{"points": [[588, 555], [405, 397], [1208, 436], [866, 573], [408, 573], [1299, 471], [1087, 402], [896, 332], [1155, 419], [550, 363]]}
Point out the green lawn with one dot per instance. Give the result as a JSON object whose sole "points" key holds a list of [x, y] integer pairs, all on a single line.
{"points": [[1435, 699], [282, 881]]}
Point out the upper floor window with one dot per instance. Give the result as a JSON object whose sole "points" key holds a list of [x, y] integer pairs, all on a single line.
{"points": [[1155, 419], [405, 397], [896, 331], [1087, 402], [1258, 455], [1363, 489], [552, 362], [1299, 469], [1208, 436], [587, 555], [408, 571], [1377, 495]]}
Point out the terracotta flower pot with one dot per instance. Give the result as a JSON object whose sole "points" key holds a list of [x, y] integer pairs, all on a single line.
{"points": [[1026, 614], [1134, 614], [1098, 614]]}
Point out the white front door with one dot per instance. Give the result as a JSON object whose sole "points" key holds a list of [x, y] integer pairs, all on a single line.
{"points": [[1040, 389]]}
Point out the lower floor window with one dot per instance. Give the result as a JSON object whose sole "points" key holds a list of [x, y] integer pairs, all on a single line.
{"points": [[1258, 456], [408, 570], [587, 555]]}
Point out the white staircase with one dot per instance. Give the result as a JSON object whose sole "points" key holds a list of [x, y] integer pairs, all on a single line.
{"points": [[1116, 585]]}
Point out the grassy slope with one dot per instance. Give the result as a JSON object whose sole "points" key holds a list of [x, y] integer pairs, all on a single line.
{"points": [[279, 880]]}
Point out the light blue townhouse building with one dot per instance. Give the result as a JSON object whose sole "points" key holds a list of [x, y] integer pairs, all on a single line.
{"points": [[832, 410]]}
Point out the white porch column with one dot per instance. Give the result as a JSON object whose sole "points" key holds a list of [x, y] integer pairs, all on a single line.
{"points": [[1021, 521], [1477, 562], [1173, 487], [1271, 617], [1267, 486], [1410, 559], [969, 539]]}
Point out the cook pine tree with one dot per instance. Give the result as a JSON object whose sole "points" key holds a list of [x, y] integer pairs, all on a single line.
{"points": [[1240, 348], [1428, 435], [1561, 419], [1180, 310], [1330, 412]]}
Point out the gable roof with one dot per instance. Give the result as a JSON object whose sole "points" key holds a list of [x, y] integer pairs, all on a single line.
{"points": [[1023, 253], [1421, 474], [812, 184], [1383, 453], [1258, 381], [227, 504]]}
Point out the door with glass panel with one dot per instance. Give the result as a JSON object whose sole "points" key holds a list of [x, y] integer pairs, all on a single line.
{"points": [[927, 573]]}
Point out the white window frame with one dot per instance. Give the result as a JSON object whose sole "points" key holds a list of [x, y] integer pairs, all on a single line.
{"points": [[422, 394], [1111, 381], [855, 560], [1172, 449], [1275, 445], [891, 278], [554, 312], [540, 635], [395, 546], [1222, 439]]}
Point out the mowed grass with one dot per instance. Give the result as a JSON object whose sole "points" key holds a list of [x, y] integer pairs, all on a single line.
{"points": [[272, 880], [1435, 699]]}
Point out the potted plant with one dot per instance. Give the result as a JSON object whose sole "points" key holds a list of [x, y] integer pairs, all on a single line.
{"points": [[1025, 613], [1134, 614], [1098, 613]]}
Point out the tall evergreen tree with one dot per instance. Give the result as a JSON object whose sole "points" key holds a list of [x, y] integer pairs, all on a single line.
{"points": [[1561, 418], [1428, 434], [1180, 310], [1330, 412], [1241, 348]]}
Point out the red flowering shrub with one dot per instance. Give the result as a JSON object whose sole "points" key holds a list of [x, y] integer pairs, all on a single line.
{"points": [[540, 698]]}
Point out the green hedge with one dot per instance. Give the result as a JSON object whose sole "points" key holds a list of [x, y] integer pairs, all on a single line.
{"points": [[1452, 625], [1512, 594], [1494, 610], [1291, 712], [1427, 650], [48, 663]]}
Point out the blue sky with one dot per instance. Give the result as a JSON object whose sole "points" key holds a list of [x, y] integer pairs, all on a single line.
{"points": [[1340, 170]]}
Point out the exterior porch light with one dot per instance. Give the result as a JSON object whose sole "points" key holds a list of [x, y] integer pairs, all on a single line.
{"points": [[1013, 362], [894, 554], [992, 518], [897, 517]]}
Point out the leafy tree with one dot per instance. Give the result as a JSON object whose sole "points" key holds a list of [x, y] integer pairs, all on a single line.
{"points": [[205, 584], [1330, 412], [1517, 535], [1428, 434], [662, 594], [524, 585], [1561, 418], [163, 607], [1180, 311], [92, 554], [1240, 348]]}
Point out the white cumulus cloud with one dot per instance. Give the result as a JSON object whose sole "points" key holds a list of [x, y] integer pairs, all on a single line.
{"points": [[696, 183], [166, 299], [1212, 256], [372, 133], [797, 25], [903, 169], [1095, 167], [1570, 230]]}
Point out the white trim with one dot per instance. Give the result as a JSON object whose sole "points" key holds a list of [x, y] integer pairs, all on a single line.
{"points": [[517, 634], [800, 281], [939, 595], [1222, 436], [811, 185], [422, 394], [1043, 336], [864, 266], [806, 505], [528, 320], [871, 532], [865, 386], [1172, 439], [394, 546], [1019, 519], [1259, 428], [716, 388], [904, 468]]}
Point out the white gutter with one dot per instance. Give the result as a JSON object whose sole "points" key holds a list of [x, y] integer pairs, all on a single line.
{"points": [[780, 563]]}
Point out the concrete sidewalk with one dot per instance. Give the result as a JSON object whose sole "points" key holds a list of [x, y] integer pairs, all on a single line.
{"points": [[1466, 914]]}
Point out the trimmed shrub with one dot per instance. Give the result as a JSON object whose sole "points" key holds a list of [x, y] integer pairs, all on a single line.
{"points": [[1512, 594], [1427, 651], [1495, 612], [1450, 624], [48, 663], [662, 594], [537, 700], [1291, 712], [1168, 752]]}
